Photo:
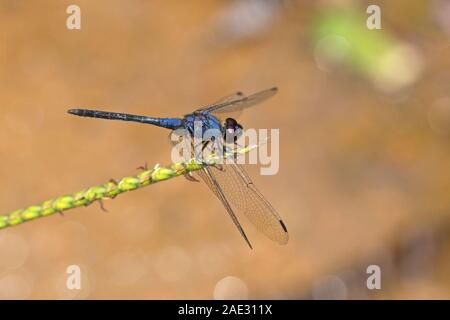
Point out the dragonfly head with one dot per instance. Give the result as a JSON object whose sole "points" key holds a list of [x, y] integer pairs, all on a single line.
{"points": [[232, 130]]}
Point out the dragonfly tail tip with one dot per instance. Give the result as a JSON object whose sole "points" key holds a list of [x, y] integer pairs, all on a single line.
{"points": [[77, 112]]}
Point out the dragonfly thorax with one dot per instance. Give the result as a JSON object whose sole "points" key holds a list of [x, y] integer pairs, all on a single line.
{"points": [[209, 128]]}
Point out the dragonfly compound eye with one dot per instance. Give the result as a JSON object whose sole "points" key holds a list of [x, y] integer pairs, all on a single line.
{"points": [[232, 131], [230, 123]]}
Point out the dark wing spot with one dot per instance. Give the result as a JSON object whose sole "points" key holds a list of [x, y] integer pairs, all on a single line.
{"points": [[283, 226]]}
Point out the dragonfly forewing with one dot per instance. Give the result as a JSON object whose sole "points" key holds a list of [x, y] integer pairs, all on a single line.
{"points": [[229, 104]]}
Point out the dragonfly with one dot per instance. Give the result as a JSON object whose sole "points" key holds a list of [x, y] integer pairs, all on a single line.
{"points": [[229, 182]]}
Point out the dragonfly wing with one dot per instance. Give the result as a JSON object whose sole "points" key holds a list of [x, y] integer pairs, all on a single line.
{"points": [[212, 183], [238, 95], [245, 198], [228, 113], [207, 175], [239, 101]]}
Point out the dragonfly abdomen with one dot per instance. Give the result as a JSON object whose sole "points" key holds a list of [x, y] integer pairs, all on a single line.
{"points": [[169, 123]]}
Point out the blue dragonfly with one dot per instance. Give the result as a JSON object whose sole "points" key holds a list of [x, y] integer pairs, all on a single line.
{"points": [[229, 182]]}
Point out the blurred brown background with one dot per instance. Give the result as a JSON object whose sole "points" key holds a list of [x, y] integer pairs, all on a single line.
{"points": [[364, 171]]}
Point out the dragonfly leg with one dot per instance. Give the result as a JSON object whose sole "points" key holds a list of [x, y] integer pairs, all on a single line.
{"points": [[228, 150], [190, 177], [199, 155], [217, 165], [61, 213], [143, 168], [102, 206]]}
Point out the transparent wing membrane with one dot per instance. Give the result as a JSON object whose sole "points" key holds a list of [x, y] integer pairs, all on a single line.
{"points": [[239, 101], [209, 177], [245, 199], [232, 97]]}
